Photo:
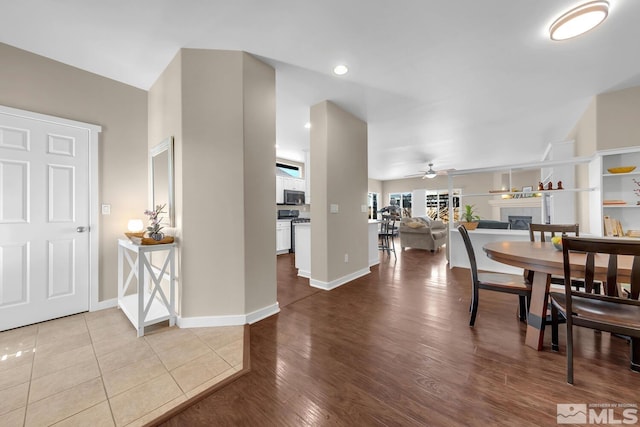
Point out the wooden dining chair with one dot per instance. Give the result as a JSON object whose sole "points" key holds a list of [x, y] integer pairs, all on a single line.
{"points": [[499, 282], [563, 230], [552, 229], [611, 312]]}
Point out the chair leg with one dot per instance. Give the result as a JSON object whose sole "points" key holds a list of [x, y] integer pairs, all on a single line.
{"points": [[393, 245], [523, 308], [474, 311], [635, 354], [554, 328], [569, 351]]}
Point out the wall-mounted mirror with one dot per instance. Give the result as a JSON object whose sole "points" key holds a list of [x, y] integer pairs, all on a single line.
{"points": [[161, 178]]}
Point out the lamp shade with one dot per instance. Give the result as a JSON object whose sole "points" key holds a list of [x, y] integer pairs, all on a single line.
{"points": [[135, 225]]}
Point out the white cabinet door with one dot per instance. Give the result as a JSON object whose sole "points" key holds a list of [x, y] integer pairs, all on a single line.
{"points": [[44, 221], [283, 236], [286, 238], [298, 185]]}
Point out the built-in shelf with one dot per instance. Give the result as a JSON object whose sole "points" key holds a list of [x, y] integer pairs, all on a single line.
{"points": [[566, 190], [606, 175]]}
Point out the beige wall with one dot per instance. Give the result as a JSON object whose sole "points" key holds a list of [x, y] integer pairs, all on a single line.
{"points": [[617, 119], [339, 165], [375, 186], [220, 106], [259, 103], [469, 184], [34, 83]]}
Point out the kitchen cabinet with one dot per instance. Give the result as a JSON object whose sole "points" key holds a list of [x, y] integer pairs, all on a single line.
{"points": [[620, 191], [283, 236], [288, 183], [279, 189]]}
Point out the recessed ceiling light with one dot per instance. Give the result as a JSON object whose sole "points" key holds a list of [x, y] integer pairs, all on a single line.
{"points": [[579, 20], [307, 125], [277, 146], [340, 70]]}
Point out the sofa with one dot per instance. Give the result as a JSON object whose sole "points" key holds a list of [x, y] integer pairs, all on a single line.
{"points": [[422, 233]]}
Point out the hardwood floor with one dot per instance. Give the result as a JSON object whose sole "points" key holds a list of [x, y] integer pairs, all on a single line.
{"points": [[394, 348]]}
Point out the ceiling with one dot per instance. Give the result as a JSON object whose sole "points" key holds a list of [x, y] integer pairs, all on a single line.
{"points": [[459, 83]]}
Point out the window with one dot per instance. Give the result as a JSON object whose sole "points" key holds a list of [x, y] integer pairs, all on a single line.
{"points": [[437, 202], [294, 171], [372, 202]]}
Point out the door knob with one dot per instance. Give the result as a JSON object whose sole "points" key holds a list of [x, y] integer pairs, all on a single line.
{"points": [[81, 229]]}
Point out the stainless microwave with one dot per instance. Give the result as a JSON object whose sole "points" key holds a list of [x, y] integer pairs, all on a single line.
{"points": [[292, 197]]}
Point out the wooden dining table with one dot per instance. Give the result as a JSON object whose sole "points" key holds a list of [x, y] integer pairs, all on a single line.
{"points": [[544, 260]]}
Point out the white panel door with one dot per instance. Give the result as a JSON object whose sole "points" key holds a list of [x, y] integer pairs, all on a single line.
{"points": [[44, 217]]}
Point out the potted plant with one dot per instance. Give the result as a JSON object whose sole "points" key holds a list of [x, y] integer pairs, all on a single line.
{"points": [[469, 217], [155, 222]]}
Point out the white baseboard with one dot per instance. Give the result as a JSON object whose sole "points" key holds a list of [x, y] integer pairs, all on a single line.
{"points": [[327, 286], [234, 320], [305, 274], [263, 313], [101, 305], [210, 321], [374, 261]]}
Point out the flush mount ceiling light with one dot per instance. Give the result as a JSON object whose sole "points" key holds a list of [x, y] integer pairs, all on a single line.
{"points": [[579, 20], [340, 70], [307, 125]]}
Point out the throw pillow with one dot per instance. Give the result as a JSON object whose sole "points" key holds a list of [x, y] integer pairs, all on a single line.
{"points": [[416, 224]]}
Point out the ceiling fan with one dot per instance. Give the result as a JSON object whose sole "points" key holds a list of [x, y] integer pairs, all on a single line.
{"points": [[429, 173]]}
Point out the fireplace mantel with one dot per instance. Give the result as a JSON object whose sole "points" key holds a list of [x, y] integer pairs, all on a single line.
{"points": [[525, 206]]}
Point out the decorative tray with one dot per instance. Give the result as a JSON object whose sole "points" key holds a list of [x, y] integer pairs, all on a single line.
{"points": [[139, 239], [622, 169]]}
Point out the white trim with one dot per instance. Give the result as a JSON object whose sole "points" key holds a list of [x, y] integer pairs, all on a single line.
{"points": [[209, 321], [212, 321], [374, 261], [94, 229], [49, 119], [304, 273], [263, 313], [94, 221], [102, 305], [327, 286]]}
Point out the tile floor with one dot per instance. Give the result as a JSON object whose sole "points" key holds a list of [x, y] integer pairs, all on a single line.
{"points": [[91, 369]]}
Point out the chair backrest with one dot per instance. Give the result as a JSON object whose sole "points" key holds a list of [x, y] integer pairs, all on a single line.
{"points": [[598, 247], [562, 229], [472, 256], [388, 224]]}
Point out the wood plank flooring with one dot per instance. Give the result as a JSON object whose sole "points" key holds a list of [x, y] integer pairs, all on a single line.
{"points": [[394, 348]]}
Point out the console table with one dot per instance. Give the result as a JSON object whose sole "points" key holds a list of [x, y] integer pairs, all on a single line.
{"points": [[149, 305]]}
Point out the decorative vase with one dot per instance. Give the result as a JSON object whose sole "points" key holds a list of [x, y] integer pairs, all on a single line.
{"points": [[157, 236]]}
